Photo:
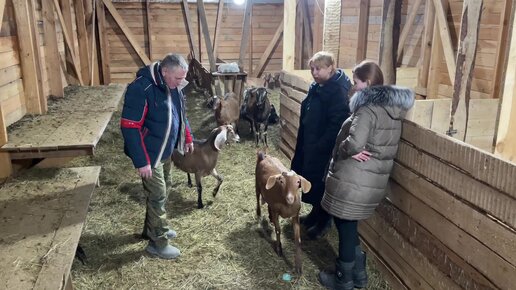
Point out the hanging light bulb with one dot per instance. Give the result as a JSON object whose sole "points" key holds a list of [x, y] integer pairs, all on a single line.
{"points": [[239, 2]]}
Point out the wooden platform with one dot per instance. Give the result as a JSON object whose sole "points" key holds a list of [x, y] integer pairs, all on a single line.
{"points": [[41, 219], [72, 127]]}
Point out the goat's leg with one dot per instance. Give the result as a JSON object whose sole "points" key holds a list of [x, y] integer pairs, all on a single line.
{"points": [[297, 241], [275, 220], [265, 133], [257, 132], [258, 208], [199, 190], [219, 181], [189, 180]]}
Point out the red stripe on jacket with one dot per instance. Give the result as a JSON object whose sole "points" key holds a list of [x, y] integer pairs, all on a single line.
{"points": [[130, 124], [188, 136]]}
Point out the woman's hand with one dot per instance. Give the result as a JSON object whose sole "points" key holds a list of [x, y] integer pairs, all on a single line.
{"points": [[364, 155]]}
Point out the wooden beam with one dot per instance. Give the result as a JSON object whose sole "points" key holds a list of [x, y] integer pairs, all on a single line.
{"points": [[307, 33], [67, 38], [318, 25], [435, 64], [299, 37], [449, 54], [148, 23], [103, 45], [407, 27], [206, 34], [501, 50], [363, 25], [268, 51], [82, 36], [426, 46], [289, 34], [51, 50], [331, 30], [66, 11], [2, 9], [468, 38], [218, 23], [189, 32], [28, 57], [245, 33], [5, 161], [125, 29], [506, 134], [389, 39], [94, 75], [250, 58]]}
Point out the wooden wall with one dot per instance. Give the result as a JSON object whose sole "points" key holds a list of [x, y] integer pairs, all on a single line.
{"points": [[168, 34]]}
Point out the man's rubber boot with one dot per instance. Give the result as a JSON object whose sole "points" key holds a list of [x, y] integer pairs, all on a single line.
{"points": [[167, 252], [170, 234]]}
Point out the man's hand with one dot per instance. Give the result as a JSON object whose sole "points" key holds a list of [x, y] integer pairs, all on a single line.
{"points": [[362, 156], [145, 172], [189, 148]]}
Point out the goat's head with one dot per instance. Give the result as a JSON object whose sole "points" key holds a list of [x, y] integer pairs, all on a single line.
{"points": [[223, 135], [214, 102], [261, 97], [290, 184]]}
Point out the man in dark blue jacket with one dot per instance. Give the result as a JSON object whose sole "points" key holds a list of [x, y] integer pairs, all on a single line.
{"points": [[322, 113], [153, 125]]}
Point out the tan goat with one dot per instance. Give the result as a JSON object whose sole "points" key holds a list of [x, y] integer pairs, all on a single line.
{"points": [[227, 110], [280, 188], [203, 159]]}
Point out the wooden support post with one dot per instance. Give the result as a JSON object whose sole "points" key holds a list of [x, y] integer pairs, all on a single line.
{"points": [[406, 28], [52, 61], [426, 46], [67, 38], [449, 54], [299, 37], [331, 31], [88, 11], [103, 44], [307, 33], [148, 23], [206, 34], [2, 9], [250, 58], [468, 38], [218, 23], [501, 51], [289, 34], [506, 134], [245, 33], [82, 35], [389, 39], [363, 25], [125, 29], [5, 161], [268, 51], [318, 25], [435, 65], [93, 41], [66, 12], [25, 28], [189, 32]]}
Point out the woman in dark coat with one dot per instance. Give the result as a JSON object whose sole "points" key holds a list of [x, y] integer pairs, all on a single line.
{"points": [[322, 113], [360, 167]]}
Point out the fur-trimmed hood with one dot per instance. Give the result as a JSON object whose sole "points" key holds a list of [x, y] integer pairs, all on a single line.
{"points": [[395, 100]]}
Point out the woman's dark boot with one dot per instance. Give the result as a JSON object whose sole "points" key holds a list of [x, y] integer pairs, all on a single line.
{"points": [[360, 271], [342, 279]]}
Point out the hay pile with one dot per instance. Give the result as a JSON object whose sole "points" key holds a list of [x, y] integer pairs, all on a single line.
{"points": [[223, 246]]}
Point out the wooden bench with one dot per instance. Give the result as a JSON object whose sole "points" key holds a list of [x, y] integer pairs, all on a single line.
{"points": [[42, 214], [72, 126]]}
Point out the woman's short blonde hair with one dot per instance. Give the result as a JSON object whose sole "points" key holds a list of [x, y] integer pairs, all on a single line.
{"points": [[322, 58]]}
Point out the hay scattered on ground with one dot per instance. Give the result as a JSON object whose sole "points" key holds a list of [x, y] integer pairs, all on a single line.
{"points": [[223, 246]]}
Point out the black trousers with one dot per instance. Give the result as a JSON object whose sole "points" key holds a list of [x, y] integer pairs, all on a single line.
{"points": [[348, 239]]}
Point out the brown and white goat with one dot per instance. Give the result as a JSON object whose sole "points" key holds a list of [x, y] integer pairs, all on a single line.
{"points": [[281, 189], [256, 108], [227, 110], [203, 159]]}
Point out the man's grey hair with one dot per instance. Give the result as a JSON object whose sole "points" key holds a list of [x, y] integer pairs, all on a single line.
{"points": [[173, 60]]}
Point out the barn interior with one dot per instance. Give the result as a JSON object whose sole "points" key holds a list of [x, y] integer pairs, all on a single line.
{"points": [[72, 205]]}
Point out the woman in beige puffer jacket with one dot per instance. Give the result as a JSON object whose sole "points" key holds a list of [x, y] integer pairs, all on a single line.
{"points": [[360, 167]]}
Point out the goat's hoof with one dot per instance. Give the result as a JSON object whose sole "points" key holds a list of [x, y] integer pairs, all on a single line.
{"points": [[299, 270], [190, 185], [215, 193], [200, 205], [279, 251]]}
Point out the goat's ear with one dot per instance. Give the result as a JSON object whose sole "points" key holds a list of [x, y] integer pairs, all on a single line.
{"points": [[221, 138], [305, 184], [271, 181]]}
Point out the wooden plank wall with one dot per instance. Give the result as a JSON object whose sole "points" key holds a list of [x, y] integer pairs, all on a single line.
{"points": [[168, 34]]}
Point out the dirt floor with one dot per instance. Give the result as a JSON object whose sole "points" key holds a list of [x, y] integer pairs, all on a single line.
{"points": [[223, 246]]}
